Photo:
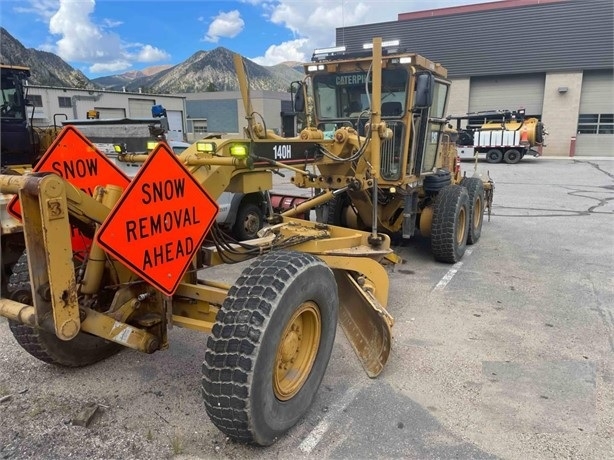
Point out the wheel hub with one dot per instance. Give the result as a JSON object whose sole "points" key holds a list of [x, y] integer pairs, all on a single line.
{"points": [[289, 347], [251, 224], [297, 351]]}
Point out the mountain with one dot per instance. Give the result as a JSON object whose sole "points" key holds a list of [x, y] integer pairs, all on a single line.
{"points": [[204, 71], [47, 68], [207, 71], [120, 81]]}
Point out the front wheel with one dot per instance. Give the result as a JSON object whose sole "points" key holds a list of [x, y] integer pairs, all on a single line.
{"points": [[450, 224], [270, 345]]}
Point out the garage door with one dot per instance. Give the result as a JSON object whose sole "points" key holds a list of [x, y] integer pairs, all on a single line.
{"points": [[508, 93], [596, 119], [140, 108], [175, 125], [106, 113]]}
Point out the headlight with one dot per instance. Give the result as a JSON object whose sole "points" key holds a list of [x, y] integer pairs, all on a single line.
{"points": [[238, 151], [205, 147]]}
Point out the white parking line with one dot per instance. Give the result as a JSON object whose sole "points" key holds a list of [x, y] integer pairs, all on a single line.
{"points": [[321, 428], [443, 282]]}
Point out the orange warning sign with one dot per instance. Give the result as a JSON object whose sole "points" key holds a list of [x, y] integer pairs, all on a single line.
{"points": [[76, 159], [160, 222]]}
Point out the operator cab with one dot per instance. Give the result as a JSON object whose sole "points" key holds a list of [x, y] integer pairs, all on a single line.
{"points": [[17, 142], [414, 92]]}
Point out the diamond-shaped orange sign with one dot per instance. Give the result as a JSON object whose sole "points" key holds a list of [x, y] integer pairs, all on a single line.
{"points": [[77, 160], [160, 222]]}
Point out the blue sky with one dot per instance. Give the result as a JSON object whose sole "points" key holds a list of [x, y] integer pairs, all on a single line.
{"points": [[104, 37]]}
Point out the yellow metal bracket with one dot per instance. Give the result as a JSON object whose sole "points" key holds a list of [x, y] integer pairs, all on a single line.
{"points": [[43, 202]]}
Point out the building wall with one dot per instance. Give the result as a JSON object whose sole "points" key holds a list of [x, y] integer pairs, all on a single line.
{"points": [[225, 113], [560, 39], [560, 112], [459, 96], [83, 100], [532, 37], [221, 114]]}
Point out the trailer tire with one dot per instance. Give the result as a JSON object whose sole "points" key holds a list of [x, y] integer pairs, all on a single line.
{"points": [[475, 190], [250, 219], [83, 350], [512, 156], [494, 156], [270, 346], [450, 224]]}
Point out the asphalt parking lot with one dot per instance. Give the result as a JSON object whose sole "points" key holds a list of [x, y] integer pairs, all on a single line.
{"points": [[507, 354]]}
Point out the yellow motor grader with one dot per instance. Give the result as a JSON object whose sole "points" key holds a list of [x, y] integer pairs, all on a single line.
{"points": [[382, 169]]}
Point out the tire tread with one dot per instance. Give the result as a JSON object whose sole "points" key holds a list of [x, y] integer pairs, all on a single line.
{"points": [[475, 189], [234, 341], [443, 231]]}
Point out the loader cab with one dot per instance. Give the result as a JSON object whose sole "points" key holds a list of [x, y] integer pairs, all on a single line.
{"points": [[16, 141]]}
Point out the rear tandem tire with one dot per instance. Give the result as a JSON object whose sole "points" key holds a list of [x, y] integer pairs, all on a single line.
{"points": [[512, 156], [475, 189], [450, 224], [83, 350], [494, 156], [337, 208], [270, 346]]}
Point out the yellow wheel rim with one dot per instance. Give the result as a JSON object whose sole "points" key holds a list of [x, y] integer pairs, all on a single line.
{"points": [[477, 212], [297, 351], [460, 230]]}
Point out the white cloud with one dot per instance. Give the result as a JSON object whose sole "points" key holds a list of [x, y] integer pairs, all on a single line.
{"points": [[227, 25], [81, 39], [109, 23], [287, 51], [110, 67], [150, 53], [41, 9], [87, 40], [314, 23]]}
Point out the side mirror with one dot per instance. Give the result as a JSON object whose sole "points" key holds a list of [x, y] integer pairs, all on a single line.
{"points": [[425, 85], [299, 98]]}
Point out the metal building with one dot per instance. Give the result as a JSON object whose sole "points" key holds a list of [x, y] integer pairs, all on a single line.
{"points": [[52, 105], [223, 112], [555, 58]]}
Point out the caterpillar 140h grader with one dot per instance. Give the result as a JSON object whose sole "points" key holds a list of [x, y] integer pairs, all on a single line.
{"points": [[380, 167]]}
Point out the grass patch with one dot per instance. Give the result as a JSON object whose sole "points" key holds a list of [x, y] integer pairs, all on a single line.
{"points": [[177, 445]]}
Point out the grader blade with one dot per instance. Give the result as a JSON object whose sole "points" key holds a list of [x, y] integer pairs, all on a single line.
{"points": [[365, 323]]}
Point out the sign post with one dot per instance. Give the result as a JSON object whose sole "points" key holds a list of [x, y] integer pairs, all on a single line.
{"points": [[160, 222]]}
